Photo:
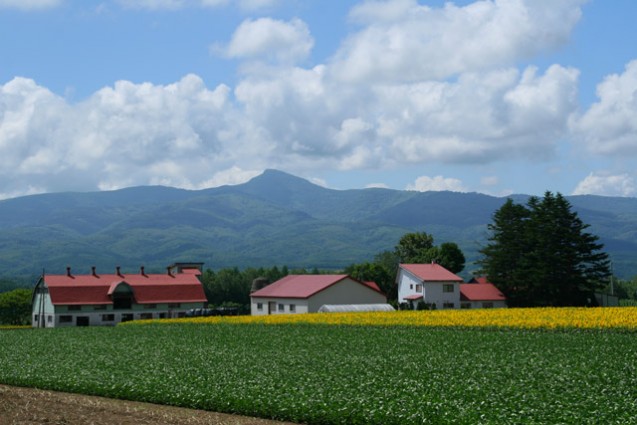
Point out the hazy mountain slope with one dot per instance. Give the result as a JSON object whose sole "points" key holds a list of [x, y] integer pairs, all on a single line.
{"points": [[274, 219]]}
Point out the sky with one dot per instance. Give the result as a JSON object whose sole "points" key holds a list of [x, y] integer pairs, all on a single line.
{"points": [[493, 96]]}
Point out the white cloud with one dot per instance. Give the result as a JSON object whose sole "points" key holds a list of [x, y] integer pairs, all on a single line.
{"points": [[609, 127], [606, 184], [29, 4], [266, 38], [437, 183], [403, 40]]}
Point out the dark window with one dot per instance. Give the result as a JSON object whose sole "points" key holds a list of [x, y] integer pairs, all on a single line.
{"points": [[259, 306], [145, 316], [122, 301], [127, 317], [447, 287], [292, 308], [108, 317], [448, 305], [281, 307], [66, 319], [82, 320], [75, 308], [487, 305]]}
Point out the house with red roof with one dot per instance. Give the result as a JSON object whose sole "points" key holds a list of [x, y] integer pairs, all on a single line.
{"points": [[438, 287], [105, 299], [308, 293], [428, 283], [480, 293]]}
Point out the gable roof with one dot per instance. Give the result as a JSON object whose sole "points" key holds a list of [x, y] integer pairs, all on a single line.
{"points": [[480, 292], [306, 285], [431, 272], [147, 288]]}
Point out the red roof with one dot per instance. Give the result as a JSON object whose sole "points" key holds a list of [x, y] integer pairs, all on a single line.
{"points": [[480, 292], [305, 285], [413, 297], [431, 272], [147, 288]]}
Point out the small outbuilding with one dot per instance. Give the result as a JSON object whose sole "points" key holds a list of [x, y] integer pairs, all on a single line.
{"points": [[479, 293], [308, 293], [349, 308]]}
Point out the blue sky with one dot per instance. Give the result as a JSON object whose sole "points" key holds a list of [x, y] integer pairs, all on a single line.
{"points": [[498, 97]]}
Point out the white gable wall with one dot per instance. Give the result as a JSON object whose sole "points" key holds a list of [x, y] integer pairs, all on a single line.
{"points": [[432, 291], [346, 291]]}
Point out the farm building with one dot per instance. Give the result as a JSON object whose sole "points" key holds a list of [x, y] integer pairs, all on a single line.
{"points": [[106, 299], [439, 288], [479, 293], [308, 293]]}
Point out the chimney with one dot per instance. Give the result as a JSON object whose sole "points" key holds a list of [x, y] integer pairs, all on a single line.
{"points": [[68, 271], [168, 271], [117, 270], [141, 271], [93, 271]]}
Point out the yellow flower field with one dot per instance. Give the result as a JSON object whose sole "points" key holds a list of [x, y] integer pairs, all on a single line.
{"points": [[527, 318]]}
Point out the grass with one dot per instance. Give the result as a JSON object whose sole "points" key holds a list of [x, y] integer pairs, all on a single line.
{"points": [[341, 374]]}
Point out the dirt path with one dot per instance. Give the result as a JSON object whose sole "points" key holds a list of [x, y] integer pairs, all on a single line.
{"points": [[22, 406]]}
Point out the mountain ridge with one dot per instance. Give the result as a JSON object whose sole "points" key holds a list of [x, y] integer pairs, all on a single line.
{"points": [[273, 219]]}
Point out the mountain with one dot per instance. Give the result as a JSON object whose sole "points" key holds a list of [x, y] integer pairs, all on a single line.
{"points": [[274, 219]]}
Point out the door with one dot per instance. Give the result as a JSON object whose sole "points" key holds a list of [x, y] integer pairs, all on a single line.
{"points": [[271, 307], [81, 321]]}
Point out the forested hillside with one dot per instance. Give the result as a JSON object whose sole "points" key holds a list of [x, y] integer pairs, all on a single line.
{"points": [[274, 219]]}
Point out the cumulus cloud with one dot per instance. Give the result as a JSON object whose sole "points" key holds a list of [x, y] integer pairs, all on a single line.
{"points": [[437, 183], [29, 4], [405, 40], [270, 39], [609, 126], [282, 115], [607, 185]]}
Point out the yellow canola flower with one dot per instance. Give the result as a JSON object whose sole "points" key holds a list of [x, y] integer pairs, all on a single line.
{"points": [[526, 318]]}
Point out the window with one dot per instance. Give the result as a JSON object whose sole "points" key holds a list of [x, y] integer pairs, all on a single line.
{"points": [[108, 317], [292, 308], [465, 305], [419, 288], [150, 306], [281, 307], [174, 305], [487, 305], [447, 287], [66, 319], [49, 319], [127, 317], [99, 307], [411, 286], [448, 305], [36, 317], [74, 308], [259, 306], [145, 316]]}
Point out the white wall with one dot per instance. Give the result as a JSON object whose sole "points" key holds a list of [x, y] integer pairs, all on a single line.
{"points": [[300, 306], [432, 292]]}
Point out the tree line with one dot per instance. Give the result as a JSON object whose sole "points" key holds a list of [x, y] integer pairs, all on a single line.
{"points": [[538, 254]]}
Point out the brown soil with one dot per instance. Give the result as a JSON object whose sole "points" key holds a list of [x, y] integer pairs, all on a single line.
{"points": [[22, 406]]}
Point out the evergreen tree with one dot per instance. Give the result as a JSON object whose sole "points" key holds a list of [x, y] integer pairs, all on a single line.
{"points": [[541, 255]]}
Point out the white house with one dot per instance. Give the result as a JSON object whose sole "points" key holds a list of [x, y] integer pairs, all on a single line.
{"points": [[307, 293], [105, 299], [429, 283]]}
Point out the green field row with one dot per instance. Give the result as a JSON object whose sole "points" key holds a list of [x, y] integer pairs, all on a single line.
{"points": [[341, 374]]}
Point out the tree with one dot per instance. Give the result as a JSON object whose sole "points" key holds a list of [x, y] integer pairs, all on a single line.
{"points": [[374, 272], [542, 255], [412, 247], [420, 248], [15, 307]]}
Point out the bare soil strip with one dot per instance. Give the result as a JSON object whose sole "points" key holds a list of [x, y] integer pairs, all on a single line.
{"points": [[22, 406]]}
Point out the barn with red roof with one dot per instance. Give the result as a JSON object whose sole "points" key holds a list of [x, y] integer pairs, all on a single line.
{"points": [[308, 293], [105, 299]]}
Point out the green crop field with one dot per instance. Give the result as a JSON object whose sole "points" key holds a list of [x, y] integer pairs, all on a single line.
{"points": [[321, 374]]}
